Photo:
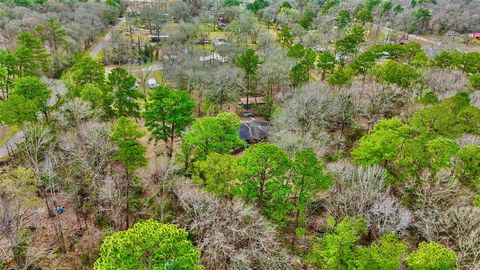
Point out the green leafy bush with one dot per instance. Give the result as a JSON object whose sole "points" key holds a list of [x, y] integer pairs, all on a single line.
{"points": [[149, 245], [387, 254], [432, 256]]}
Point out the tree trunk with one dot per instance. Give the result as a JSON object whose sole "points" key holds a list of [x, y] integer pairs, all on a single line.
{"points": [[19, 254], [261, 190], [59, 230], [49, 210], [297, 213], [61, 238], [127, 217], [172, 137]]}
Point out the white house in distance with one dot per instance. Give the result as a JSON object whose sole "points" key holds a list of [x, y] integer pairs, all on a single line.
{"points": [[211, 57], [152, 83]]}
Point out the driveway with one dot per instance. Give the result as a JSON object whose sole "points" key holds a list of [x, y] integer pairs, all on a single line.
{"points": [[11, 145], [100, 44]]}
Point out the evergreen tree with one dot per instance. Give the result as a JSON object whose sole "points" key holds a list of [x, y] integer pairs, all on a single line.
{"points": [[167, 113], [120, 95], [130, 153]]}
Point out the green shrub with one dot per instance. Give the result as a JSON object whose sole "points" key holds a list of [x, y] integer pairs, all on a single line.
{"points": [[149, 245]]}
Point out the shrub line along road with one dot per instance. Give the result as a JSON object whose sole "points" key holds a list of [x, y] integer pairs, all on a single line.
{"points": [[58, 88]]}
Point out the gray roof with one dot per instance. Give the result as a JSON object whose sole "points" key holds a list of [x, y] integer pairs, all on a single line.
{"points": [[254, 130]]}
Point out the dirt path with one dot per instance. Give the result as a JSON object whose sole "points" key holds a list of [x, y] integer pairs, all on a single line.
{"points": [[413, 37], [439, 42]]}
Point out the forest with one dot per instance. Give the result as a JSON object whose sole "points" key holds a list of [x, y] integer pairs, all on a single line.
{"points": [[240, 134]]}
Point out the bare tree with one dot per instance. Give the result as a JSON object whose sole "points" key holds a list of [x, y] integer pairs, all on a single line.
{"points": [[73, 112], [88, 151], [434, 197], [37, 143], [315, 115], [118, 51], [459, 229], [17, 227], [274, 73], [445, 83], [88, 147], [388, 216], [468, 139], [143, 74], [112, 201], [225, 86], [230, 235], [364, 191], [13, 223]]}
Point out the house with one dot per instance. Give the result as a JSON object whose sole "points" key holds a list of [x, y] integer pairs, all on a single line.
{"points": [[452, 34], [158, 38], [135, 86], [204, 42], [319, 49], [476, 35], [211, 57], [254, 130], [222, 25], [219, 42], [152, 83]]}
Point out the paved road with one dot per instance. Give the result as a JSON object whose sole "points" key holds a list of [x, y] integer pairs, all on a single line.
{"points": [[11, 145], [99, 46], [57, 87]]}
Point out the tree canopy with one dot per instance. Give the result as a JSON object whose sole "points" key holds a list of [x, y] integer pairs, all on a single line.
{"points": [[149, 245]]}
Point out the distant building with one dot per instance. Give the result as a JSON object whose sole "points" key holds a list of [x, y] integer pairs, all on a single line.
{"points": [[222, 25], [211, 57], [152, 83], [204, 42], [158, 38], [220, 42], [476, 35], [452, 34]]}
